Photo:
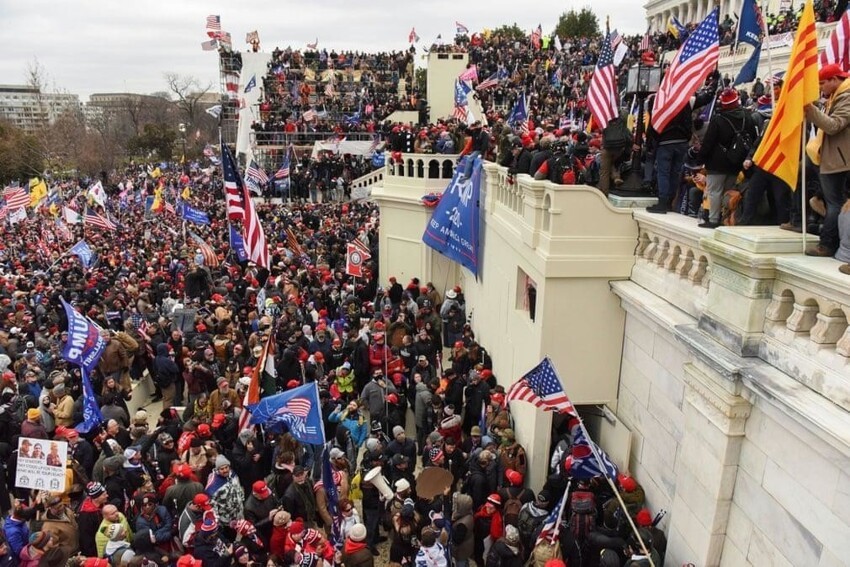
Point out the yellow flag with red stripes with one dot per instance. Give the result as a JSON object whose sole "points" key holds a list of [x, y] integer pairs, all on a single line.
{"points": [[780, 149]]}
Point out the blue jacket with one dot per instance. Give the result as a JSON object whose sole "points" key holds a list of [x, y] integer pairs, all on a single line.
{"points": [[17, 535], [358, 427]]}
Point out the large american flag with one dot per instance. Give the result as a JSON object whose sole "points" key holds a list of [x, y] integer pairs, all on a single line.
{"points": [[16, 197], [838, 49], [256, 173], [645, 42], [94, 219], [602, 94], [233, 190], [695, 60], [541, 387], [460, 109], [491, 81], [283, 172], [214, 23], [255, 238]]}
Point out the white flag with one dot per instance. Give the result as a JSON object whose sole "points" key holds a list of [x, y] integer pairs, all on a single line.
{"points": [[214, 111], [70, 215], [17, 215], [97, 193], [620, 53]]}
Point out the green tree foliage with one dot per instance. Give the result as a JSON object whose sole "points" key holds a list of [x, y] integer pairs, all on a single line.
{"points": [[574, 24], [512, 31], [20, 154], [155, 138]]}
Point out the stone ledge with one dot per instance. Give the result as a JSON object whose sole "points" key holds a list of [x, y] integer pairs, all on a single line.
{"points": [[818, 275], [760, 239]]}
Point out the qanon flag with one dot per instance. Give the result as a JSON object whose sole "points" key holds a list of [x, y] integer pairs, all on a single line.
{"points": [[296, 410], [85, 345], [453, 228]]}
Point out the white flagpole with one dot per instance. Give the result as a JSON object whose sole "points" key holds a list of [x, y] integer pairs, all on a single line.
{"points": [[557, 527], [766, 45], [803, 212]]}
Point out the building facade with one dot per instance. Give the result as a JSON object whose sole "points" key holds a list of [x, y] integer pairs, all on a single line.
{"points": [[30, 109], [723, 356]]}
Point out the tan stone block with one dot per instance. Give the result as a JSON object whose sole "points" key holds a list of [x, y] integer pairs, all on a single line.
{"points": [[633, 379], [739, 528], [668, 414], [711, 510], [732, 556], [641, 331], [841, 500], [717, 478], [752, 460], [763, 552]]}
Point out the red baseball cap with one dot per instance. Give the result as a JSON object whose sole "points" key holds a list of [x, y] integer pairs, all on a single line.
{"points": [[831, 71], [202, 501]]}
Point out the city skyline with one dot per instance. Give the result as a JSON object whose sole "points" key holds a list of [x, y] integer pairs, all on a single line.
{"points": [[105, 47]]}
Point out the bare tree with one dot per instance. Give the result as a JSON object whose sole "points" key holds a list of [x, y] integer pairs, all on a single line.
{"points": [[37, 79], [188, 93]]}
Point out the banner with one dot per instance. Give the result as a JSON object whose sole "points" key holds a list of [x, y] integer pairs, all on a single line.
{"points": [[750, 25], [191, 214], [82, 250], [238, 244], [453, 228], [296, 411], [92, 417], [85, 345], [355, 256], [41, 464]]}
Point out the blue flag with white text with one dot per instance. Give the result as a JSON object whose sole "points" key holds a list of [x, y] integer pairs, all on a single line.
{"points": [[85, 346], [252, 82], [193, 215], [238, 244], [92, 417], [453, 228], [296, 411], [748, 72], [750, 24], [82, 250], [584, 462]]}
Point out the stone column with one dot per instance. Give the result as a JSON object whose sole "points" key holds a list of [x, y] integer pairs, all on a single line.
{"points": [[706, 465]]}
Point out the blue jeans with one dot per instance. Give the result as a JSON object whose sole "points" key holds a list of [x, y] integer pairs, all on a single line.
{"points": [[832, 186], [669, 160]]}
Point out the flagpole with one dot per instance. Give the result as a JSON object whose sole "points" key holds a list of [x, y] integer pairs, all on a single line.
{"points": [[769, 62], [561, 512], [602, 468], [803, 213]]}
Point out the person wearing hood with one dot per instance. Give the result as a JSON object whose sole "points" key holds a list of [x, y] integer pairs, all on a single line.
{"points": [[355, 552], [167, 373], [462, 529], [155, 520], [225, 491], [531, 517], [507, 551], [247, 458], [34, 554], [115, 481]]}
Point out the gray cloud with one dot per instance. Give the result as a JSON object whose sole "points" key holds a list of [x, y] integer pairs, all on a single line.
{"points": [[91, 46]]}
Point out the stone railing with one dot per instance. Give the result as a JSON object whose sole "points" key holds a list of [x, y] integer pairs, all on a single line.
{"points": [[670, 257], [428, 172], [361, 188]]}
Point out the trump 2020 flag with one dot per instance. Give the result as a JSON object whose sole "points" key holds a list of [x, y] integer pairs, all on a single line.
{"points": [[296, 410], [85, 345], [193, 215], [585, 463], [453, 228], [750, 26], [92, 417], [82, 250], [333, 497], [237, 244]]}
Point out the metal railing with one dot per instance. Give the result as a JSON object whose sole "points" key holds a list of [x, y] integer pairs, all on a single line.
{"points": [[303, 138]]}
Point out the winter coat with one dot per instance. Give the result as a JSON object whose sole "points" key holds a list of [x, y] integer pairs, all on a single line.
{"points": [[463, 538], [354, 423], [226, 497], [166, 370], [834, 122], [64, 529], [503, 555], [100, 538], [422, 403], [88, 520], [719, 135], [159, 524], [374, 396], [17, 534], [357, 554]]}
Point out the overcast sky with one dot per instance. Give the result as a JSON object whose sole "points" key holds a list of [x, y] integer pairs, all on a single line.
{"points": [[89, 46]]}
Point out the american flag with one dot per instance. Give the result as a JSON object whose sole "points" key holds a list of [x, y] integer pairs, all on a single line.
{"points": [[255, 238], [838, 49], [91, 217], [460, 100], [283, 172], [169, 208], [210, 258], [536, 36], [616, 38], [376, 141], [233, 191], [308, 115], [695, 60], [491, 81], [645, 42], [549, 531], [602, 94], [292, 242], [16, 197], [256, 173], [584, 457], [541, 387], [214, 23], [460, 27]]}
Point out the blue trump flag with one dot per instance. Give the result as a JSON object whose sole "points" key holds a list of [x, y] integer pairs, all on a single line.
{"points": [[750, 69], [92, 417], [252, 82], [584, 457], [85, 345], [453, 228], [333, 497], [519, 114], [296, 410], [83, 252], [238, 244], [750, 26], [193, 215]]}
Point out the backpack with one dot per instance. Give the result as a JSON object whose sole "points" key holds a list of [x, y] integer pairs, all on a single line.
{"points": [[737, 150], [511, 510], [527, 524], [560, 170], [545, 552], [582, 514], [616, 135]]}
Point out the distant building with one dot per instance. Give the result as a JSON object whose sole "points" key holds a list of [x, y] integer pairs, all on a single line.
{"points": [[28, 108]]}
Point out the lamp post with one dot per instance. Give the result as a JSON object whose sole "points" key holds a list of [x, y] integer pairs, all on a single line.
{"points": [[182, 129], [644, 78]]}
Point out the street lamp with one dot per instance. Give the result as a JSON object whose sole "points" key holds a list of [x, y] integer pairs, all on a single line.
{"points": [[182, 129], [643, 79]]}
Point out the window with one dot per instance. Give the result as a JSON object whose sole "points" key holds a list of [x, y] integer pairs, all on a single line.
{"points": [[526, 294]]}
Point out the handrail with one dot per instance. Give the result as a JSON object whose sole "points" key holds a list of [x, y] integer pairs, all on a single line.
{"points": [[303, 138]]}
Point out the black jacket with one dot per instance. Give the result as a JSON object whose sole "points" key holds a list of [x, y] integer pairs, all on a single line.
{"points": [[166, 369], [719, 134]]}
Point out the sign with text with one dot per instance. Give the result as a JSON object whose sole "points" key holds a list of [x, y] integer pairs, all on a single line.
{"points": [[41, 464]]}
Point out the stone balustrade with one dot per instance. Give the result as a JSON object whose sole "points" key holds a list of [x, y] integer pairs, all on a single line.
{"points": [[428, 172]]}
